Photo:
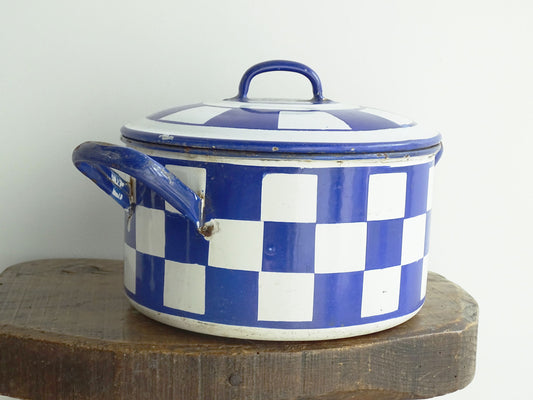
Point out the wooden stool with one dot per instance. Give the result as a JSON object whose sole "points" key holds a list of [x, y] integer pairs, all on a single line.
{"points": [[67, 332]]}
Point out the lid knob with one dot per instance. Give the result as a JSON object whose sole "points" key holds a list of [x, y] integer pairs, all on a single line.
{"points": [[280, 65]]}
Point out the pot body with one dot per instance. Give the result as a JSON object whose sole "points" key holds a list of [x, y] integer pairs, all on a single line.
{"points": [[290, 249]]}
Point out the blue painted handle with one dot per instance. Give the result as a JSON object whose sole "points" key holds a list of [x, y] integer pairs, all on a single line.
{"points": [[280, 65], [97, 160]]}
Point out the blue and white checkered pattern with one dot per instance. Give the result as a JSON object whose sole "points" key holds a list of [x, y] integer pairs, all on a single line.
{"points": [[281, 128], [291, 248], [254, 117]]}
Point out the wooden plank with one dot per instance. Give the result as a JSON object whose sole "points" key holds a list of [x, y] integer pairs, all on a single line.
{"points": [[68, 332]]}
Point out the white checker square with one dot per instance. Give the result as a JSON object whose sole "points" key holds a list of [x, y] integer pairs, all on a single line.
{"points": [[413, 239], [150, 231], [425, 269], [340, 247], [310, 120], [430, 188], [386, 196], [130, 268], [196, 115], [381, 291], [192, 177], [285, 296], [289, 198], [236, 244], [184, 287]]}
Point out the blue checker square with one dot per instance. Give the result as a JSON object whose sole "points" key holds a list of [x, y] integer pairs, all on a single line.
{"points": [[237, 190], [231, 296], [183, 242], [410, 296], [342, 195], [417, 189], [246, 118], [384, 243], [150, 280], [337, 300], [288, 247], [363, 121]]}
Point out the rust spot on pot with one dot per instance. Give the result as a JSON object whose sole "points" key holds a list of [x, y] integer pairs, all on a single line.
{"points": [[131, 209], [132, 191], [207, 230]]}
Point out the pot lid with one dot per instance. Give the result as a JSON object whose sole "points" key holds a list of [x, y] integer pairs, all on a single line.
{"points": [[312, 126]]}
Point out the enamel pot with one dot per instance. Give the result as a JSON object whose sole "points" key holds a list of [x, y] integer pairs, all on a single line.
{"points": [[270, 219]]}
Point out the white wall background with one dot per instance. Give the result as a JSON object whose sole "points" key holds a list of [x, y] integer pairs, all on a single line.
{"points": [[76, 71]]}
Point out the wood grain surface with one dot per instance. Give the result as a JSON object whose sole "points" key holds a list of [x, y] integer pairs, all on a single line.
{"points": [[67, 332]]}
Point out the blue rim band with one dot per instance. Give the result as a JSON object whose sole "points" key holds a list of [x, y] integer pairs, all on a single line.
{"points": [[276, 148], [247, 152]]}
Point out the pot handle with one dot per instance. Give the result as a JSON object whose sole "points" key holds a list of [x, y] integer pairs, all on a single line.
{"points": [[97, 160], [280, 65]]}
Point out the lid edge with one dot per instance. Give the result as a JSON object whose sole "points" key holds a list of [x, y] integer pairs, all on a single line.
{"points": [[265, 146]]}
